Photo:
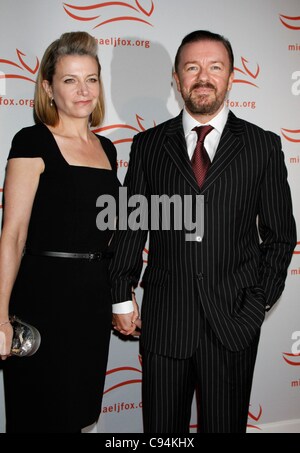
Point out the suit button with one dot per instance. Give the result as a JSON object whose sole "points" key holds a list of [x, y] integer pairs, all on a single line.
{"points": [[200, 276]]}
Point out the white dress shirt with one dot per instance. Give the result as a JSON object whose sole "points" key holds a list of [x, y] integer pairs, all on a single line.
{"points": [[211, 143], [212, 139]]}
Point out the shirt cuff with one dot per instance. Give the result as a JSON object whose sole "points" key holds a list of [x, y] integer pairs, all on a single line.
{"points": [[123, 308]]}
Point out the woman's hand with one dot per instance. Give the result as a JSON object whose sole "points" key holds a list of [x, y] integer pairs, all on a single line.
{"points": [[127, 323], [136, 321]]}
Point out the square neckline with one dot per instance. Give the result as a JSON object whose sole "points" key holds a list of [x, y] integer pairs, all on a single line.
{"points": [[77, 166]]}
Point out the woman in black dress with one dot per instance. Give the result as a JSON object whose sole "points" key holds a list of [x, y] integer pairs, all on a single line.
{"points": [[56, 171]]}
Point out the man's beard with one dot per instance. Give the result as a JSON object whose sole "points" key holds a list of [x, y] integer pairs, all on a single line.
{"points": [[199, 104]]}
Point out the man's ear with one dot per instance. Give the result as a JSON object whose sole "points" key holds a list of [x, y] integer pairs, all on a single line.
{"points": [[176, 78], [230, 81]]}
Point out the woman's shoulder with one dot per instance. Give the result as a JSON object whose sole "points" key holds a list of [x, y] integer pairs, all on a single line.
{"points": [[27, 141], [30, 133]]}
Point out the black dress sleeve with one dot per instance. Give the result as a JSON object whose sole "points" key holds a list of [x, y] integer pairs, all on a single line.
{"points": [[27, 143]]}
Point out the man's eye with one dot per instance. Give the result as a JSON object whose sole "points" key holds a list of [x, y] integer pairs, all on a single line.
{"points": [[68, 80]]}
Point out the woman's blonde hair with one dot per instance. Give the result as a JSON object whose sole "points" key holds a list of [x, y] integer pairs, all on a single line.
{"points": [[73, 43]]}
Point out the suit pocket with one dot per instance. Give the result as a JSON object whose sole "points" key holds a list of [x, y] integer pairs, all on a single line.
{"points": [[154, 276], [250, 301]]}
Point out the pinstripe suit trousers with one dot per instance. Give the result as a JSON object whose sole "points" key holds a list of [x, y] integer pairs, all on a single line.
{"points": [[222, 380]]}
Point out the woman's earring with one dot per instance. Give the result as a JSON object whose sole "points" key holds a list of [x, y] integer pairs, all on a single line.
{"points": [[51, 102]]}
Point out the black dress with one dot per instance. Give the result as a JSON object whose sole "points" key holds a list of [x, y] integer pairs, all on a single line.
{"points": [[59, 389]]}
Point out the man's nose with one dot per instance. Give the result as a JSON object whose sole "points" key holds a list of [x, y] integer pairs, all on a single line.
{"points": [[203, 74]]}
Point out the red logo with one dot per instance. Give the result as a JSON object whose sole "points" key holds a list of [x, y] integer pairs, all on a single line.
{"points": [[136, 12], [291, 359], [292, 135], [291, 22], [252, 418], [125, 382], [125, 127], [145, 255], [23, 66], [297, 252], [249, 76]]}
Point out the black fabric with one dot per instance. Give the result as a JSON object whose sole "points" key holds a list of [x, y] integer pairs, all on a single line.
{"points": [[235, 273], [222, 380], [60, 388]]}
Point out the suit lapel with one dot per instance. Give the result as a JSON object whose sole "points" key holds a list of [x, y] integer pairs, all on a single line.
{"points": [[175, 146], [229, 147]]}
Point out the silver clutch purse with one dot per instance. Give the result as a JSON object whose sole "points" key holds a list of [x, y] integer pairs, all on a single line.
{"points": [[26, 338]]}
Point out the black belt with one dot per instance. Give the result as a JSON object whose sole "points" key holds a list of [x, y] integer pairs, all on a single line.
{"points": [[83, 256]]}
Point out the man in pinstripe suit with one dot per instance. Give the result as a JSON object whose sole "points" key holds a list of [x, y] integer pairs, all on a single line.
{"points": [[204, 302]]}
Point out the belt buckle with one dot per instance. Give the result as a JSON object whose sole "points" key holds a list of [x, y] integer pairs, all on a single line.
{"points": [[95, 256]]}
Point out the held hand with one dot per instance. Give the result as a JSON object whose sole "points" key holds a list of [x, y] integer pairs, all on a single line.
{"points": [[122, 323], [6, 335], [136, 321], [127, 323], [138, 327]]}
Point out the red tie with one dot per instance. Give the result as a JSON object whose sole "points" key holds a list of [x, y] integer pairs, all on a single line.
{"points": [[200, 159]]}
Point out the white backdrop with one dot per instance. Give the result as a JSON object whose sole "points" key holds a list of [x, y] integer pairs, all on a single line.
{"points": [[137, 44]]}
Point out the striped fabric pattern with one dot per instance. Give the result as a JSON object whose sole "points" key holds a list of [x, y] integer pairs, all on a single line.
{"points": [[239, 269], [222, 379]]}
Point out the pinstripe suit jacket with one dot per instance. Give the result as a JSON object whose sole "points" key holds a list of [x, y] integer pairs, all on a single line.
{"points": [[234, 274]]}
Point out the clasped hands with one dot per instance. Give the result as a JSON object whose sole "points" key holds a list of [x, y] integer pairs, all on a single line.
{"points": [[129, 323]]}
